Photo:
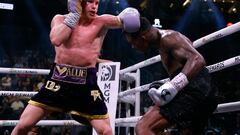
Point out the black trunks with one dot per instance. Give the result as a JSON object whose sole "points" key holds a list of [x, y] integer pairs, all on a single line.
{"points": [[193, 105], [73, 90]]}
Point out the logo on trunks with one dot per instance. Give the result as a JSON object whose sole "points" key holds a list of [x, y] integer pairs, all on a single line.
{"points": [[108, 73], [68, 71], [52, 86], [95, 94], [164, 94]]}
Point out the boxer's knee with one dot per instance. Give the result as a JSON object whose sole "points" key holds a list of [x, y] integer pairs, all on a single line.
{"points": [[106, 130], [22, 128]]}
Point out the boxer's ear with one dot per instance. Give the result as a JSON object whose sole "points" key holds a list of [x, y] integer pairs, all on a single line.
{"points": [[145, 34]]}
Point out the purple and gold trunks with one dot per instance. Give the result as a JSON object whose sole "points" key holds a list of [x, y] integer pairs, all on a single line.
{"points": [[72, 90]]}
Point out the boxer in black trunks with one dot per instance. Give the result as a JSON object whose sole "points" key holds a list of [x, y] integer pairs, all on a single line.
{"points": [[187, 100], [71, 86], [74, 90]]}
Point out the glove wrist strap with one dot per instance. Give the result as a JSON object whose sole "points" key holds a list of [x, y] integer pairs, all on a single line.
{"points": [[179, 81], [71, 19]]}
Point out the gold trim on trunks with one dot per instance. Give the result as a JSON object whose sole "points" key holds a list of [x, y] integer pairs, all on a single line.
{"points": [[34, 103], [88, 116]]}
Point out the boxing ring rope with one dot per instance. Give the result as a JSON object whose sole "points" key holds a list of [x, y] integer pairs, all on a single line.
{"points": [[126, 122], [3, 70], [17, 93], [43, 123], [63, 122], [221, 108], [224, 64], [24, 71]]}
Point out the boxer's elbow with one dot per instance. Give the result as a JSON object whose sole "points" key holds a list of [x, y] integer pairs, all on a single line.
{"points": [[55, 39], [200, 61]]}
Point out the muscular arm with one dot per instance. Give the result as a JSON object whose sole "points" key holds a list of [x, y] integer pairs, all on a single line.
{"points": [[59, 31], [177, 52], [182, 50], [111, 21], [128, 19]]}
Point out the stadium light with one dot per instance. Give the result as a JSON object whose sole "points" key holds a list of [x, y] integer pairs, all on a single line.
{"points": [[6, 6]]}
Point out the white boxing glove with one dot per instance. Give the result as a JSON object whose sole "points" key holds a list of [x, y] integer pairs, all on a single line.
{"points": [[164, 94]]}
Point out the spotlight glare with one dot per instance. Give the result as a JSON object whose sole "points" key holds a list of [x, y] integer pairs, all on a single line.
{"points": [[234, 10], [6, 6]]}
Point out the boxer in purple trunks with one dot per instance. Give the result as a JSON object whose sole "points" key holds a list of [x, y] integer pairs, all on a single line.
{"points": [[72, 89], [72, 86]]}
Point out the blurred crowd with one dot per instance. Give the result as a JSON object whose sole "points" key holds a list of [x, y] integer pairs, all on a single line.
{"points": [[11, 107]]}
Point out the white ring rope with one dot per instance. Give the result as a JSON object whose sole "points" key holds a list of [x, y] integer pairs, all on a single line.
{"points": [[197, 43], [62, 122], [228, 107], [132, 119], [141, 64], [212, 68], [42, 123], [17, 93], [221, 108], [224, 64], [218, 34], [138, 89], [126, 122], [129, 77], [24, 71]]}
